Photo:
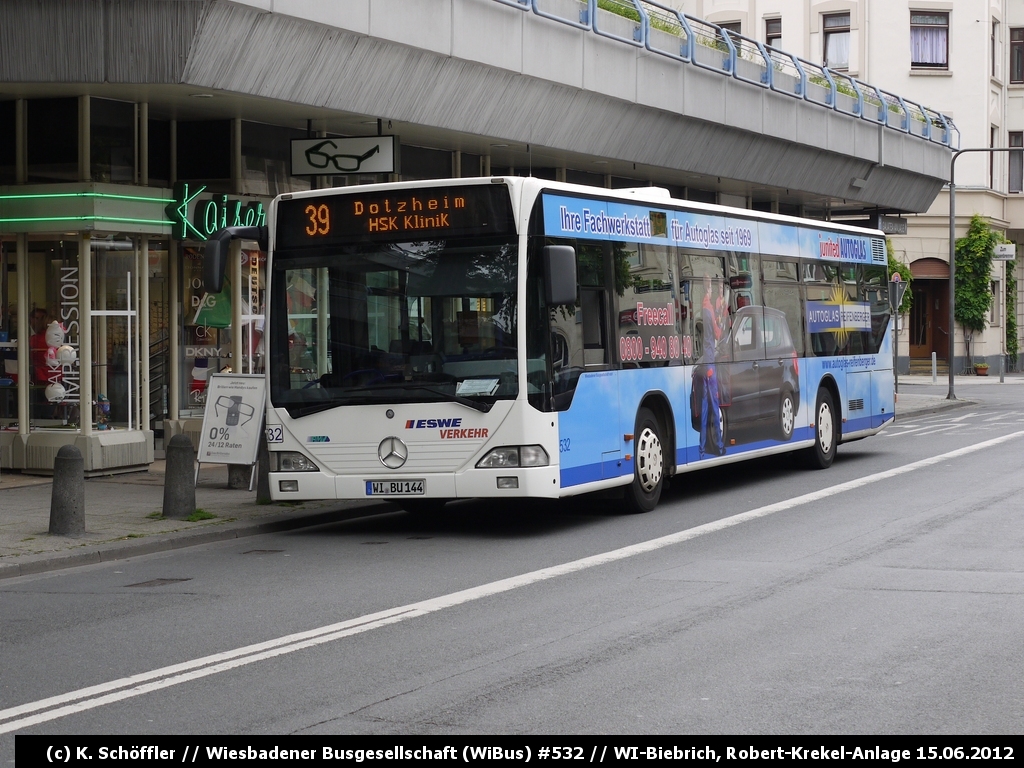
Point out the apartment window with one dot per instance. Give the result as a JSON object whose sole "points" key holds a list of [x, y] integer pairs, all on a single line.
{"points": [[1017, 55], [994, 45], [1017, 162], [994, 318], [929, 40], [993, 136], [773, 32], [733, 26], [837, 41]]}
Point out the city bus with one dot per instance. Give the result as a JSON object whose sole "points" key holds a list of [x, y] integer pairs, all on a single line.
{"points": [[522, 338]]}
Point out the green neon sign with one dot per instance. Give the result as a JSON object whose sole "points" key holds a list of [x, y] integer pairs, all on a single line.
{"points": [[216, 213]]}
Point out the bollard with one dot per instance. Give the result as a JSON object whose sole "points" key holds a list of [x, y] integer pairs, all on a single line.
{"points": [[67, 499], [239, 476], [179, 479], [263, 473], [935, 369]]}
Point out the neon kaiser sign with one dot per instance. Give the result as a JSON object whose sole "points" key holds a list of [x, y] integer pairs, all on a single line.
{"points": [[216, 212]]}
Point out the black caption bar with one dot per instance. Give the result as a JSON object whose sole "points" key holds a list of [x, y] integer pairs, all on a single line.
{"points": [[443, 750]]}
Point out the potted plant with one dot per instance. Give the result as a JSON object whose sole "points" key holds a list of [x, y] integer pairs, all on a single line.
{"points": [[981, 369]]}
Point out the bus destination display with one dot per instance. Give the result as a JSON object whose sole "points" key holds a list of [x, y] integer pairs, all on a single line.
{"points": [[419, 214]]}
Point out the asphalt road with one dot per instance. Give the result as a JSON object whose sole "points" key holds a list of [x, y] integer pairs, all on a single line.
{"points": [[880, 596]]}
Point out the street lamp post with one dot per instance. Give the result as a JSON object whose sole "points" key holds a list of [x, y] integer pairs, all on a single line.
{"points": [[952, 250]]}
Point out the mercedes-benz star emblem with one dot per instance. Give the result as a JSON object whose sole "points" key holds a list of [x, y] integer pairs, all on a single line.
{"points": [[392, 452]]}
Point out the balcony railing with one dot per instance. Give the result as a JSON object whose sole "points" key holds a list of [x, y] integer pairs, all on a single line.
{"points": [[676, 35]]}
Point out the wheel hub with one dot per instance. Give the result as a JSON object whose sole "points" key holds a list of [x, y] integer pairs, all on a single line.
{"points": [[825, 428], [649, 460]]}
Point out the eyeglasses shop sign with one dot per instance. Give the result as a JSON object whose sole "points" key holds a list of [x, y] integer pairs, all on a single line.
{"points": [[333, 156]]}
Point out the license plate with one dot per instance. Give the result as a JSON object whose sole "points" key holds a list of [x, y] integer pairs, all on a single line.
{"points": [[395, 487]]}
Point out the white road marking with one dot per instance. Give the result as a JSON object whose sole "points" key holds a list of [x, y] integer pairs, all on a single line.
{"points": [[937, 430], [129, 687]]}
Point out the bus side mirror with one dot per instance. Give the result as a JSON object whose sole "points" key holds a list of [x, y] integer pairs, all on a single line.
{"points": [[559, 274], [215, 254]]}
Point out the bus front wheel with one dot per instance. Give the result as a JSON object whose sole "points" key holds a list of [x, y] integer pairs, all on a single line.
{"points": [[643, 493], [821, 454]]}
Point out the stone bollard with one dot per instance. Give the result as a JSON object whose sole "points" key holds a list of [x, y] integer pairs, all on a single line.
{"points": [[67, 499], [239, 476], [180, 479]]}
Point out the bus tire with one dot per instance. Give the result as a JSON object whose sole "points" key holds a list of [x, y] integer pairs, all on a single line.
{"points": [[787, 416], [643, 494], [821, 454], [423, 507]]}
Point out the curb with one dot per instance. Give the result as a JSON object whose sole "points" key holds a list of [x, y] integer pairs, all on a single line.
{"points": [[121, 549]]}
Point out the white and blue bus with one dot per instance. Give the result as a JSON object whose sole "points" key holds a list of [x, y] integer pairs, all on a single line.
{"points": [[515, 337]]}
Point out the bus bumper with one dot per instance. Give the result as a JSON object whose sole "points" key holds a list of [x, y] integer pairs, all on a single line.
{"points": [[513, 482]]}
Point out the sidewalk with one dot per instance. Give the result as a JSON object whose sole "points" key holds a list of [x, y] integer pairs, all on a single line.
{"points": [[122, 517]]}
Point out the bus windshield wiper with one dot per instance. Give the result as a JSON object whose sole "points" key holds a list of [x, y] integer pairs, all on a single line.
{"points": [[475, 405]]}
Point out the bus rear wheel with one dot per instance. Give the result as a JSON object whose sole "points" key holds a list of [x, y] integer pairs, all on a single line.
{"points": [[821, 454], [644, 492]]}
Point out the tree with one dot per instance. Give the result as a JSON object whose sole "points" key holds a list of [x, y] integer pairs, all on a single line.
{"points": [[973, 295]]}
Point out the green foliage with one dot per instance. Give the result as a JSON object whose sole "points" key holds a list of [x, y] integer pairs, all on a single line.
{"points": [[619, 8], [973, 269], [1011, 314], [897, 266], [199, 514]]}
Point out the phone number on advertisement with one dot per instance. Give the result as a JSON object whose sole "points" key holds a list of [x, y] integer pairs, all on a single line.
{"points": [[657, 348]]}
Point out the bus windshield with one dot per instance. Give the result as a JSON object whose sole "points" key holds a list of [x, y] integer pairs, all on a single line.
{"points": [[394, 322]]}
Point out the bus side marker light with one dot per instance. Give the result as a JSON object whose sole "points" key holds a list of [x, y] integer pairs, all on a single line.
{"points": [[629, 457], [627, 438]]}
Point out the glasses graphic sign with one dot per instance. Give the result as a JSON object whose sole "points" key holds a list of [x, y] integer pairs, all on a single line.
{"points": [[335, 155], [233, 419]]}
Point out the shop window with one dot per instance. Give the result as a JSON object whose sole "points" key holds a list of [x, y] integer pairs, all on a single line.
{"points": [[112, 139], [160, 153], [1017, 55], [929, 40], [52, 140], [422, 163], [470, 165], [584, 177], [204, 150], [836, 53], [7, 143], [1017, 162], [266, 158], [773, 32]]}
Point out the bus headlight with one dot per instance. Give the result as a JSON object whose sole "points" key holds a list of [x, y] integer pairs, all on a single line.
{"points": [[514, 456], [289, 461]]}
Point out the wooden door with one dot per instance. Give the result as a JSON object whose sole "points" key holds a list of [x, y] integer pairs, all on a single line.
{"points": [[920, 325]]}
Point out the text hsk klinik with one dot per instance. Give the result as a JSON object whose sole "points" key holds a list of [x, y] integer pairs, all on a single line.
{"points": [[414, 213]]}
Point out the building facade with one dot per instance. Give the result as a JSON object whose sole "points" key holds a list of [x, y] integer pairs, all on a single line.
{"points": [[965, 59]]}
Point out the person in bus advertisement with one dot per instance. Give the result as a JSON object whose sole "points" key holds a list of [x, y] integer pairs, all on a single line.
{"points": [[712, 315]]}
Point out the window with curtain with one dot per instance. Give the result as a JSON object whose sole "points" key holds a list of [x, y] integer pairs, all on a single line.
{"points": [[837, 41], [929, 40], [773, 32], [1017, 55], [1017, 162]]}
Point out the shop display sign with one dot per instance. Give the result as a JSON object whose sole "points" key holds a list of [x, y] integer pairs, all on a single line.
{"points": [[335, 155], [196, 219], [232, 419]]}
